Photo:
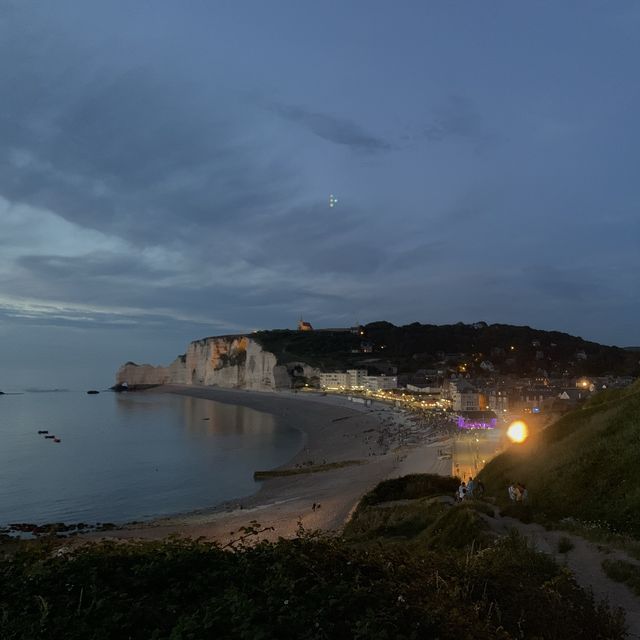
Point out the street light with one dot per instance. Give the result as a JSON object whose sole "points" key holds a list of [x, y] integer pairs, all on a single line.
{"points": [[518, 432]]}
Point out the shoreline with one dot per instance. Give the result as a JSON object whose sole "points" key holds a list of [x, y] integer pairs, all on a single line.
{"points": [[335, 431]]}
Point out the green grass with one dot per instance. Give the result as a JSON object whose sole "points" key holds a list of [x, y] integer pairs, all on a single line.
{"points": [[584, 466], [410, 509], [623, 571], [459, 527], [404, 521], [602, 536], [313, 468]]}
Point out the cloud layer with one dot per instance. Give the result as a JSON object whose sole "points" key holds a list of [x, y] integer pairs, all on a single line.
{"points": [[154, 176]]}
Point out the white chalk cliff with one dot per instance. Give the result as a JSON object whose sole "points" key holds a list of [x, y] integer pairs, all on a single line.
{"points": [[232, 362]]}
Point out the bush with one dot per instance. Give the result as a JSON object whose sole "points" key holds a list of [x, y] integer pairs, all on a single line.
{"points": [[565, 544], [417, 485], [303, 588], [623, 571], [308, 588], [532, 597]]}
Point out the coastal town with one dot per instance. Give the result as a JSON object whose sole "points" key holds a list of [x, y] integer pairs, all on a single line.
{"points": [[471, 385]]}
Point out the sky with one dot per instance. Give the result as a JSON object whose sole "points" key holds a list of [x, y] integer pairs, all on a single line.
{"points": [[166, 168]]}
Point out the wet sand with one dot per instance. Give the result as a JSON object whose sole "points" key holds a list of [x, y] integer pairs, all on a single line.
{"points": [[385, 440]]}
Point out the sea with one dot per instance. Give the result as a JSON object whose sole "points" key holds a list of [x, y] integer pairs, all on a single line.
{"points": [[126, 457]]}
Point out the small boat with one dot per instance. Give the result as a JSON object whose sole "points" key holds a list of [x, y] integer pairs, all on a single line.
{"points": [[43, 431], [57, 440], [92, 392], [49, 437]]}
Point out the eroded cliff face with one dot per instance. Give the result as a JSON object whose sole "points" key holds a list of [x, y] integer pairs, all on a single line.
{"points": [[232, 362]]}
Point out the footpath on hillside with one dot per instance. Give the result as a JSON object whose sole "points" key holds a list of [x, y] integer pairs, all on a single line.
{"points": [[584, 559]]}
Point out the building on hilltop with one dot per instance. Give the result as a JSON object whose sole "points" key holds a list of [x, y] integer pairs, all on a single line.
{"points": [[304, 326]]}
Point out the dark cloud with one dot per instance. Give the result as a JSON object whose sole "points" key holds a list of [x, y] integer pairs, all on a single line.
{"points": [[95, 265], [334, 128], [131, 151], [456, 119]]}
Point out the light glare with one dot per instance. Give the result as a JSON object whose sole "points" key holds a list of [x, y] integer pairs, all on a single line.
{"points": [[517, 432]]}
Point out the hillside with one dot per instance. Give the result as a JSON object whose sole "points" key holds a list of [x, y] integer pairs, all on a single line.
{"points": [[584, 466], [408, 567], [510, 349]]}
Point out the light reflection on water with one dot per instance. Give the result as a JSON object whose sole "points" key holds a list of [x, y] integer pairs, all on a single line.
{"points": [[130, 456]]}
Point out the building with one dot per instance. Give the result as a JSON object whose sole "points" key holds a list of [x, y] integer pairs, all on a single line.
{"points": [[380, 383], [466, 401], [334, 380], [304, 326], [463, 395], [498, 400], [419, 388], [357, 380]]}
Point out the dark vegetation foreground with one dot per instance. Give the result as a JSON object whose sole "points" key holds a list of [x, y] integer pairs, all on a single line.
{"points": [[408, 566]]}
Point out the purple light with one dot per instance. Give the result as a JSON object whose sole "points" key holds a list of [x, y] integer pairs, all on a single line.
{"points": [[464, 423]]}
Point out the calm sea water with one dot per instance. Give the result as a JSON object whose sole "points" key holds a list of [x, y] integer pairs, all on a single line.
{"points": [[131, 456]]}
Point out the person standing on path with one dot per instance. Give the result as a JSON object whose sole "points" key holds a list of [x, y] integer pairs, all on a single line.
{"points": [[470, 488]]}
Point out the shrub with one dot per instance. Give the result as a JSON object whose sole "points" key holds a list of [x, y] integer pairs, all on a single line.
{"points": [[565, 544], [532, 597], [623, 571], [309, 588], [419, 485]]}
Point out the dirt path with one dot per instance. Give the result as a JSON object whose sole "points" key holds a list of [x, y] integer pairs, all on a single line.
{"points": [[585, 561]]}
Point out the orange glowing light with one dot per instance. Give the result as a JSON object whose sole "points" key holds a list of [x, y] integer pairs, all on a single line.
{"points": [[518, 432]]}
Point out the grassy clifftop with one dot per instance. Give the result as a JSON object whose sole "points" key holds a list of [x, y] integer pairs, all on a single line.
{"points": [[586, 465]]}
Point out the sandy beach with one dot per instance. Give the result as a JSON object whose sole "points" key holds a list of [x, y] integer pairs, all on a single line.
{"points": [[384, 441]]}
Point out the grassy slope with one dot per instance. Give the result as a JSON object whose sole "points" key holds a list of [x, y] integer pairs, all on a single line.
{"points": [[419, 575], [586, 465]]}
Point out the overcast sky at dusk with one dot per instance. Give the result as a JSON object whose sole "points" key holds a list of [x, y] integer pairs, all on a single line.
{"points": [[165, 170]]}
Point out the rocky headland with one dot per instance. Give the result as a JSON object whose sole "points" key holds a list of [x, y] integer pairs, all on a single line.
{"points": [[230, 362]]}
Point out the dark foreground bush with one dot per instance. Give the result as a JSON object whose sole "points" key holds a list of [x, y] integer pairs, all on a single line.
{"points": [[304, 588], [418, 485], [527, 591]]}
